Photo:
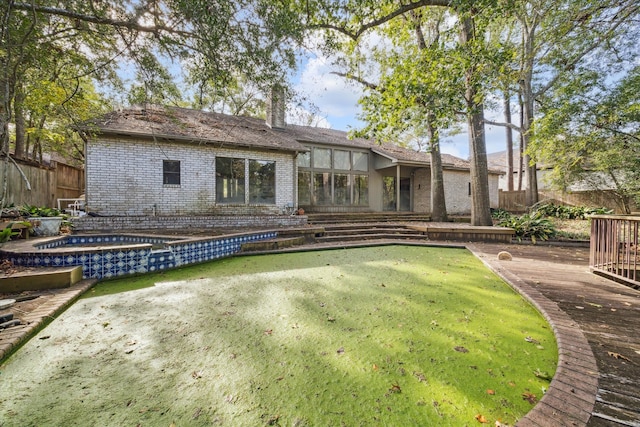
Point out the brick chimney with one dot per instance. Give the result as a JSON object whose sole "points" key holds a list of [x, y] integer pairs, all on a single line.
{"points": [[275, 108]]}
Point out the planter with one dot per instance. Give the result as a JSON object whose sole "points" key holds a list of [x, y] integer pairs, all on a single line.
{"points": [[46, 225]]}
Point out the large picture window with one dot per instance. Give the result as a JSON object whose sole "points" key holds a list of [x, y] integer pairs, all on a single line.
{"points": [[262, 182], [322, 188], [341, 189], [361, 190], [304, 187], [333, 177], [171, 172], [230, 180]]}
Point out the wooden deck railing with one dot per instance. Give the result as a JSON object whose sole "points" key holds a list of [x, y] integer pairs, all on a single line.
{"points": [[614, 248]]}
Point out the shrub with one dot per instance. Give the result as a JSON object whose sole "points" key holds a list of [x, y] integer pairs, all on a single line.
{"points": [[31, 211], [532, 226], [568, 212]]}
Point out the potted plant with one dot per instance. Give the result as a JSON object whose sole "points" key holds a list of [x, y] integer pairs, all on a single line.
{"points": [[46, 221]]}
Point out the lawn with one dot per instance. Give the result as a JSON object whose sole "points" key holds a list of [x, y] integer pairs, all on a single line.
{"points": [[388, 335]]}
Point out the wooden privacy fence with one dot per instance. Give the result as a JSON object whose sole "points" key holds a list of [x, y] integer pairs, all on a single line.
{"points": [[512, 201], [47, 183], [614, 248]]}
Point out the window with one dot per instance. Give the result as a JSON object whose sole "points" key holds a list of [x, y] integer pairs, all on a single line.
{"points": [[341, 160], [304, 159], [171, 172], [321, 158], [304, 188], [360, 161], [361, 190], [341, 189], [262, 182], [322, 188], [229, 180]]}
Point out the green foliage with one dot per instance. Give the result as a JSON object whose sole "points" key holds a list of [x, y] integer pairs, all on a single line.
{"points": [[7, 233], [568, 212], [36, 211], [532, 226]]}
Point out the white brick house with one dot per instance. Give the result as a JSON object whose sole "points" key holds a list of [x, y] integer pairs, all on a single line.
{"points": [[178, 162]]}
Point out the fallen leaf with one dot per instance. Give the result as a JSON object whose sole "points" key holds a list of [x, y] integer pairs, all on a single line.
{"points": [[532, 340], [530, 397], [481, 419], [491, 392], [593, 304], [618, 356], [375, 367], [420, 376], [541, 374], [395, 388], [461, 349]]}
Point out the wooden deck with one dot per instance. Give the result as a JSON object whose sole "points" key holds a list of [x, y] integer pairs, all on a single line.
{"points": [[606, 312]]}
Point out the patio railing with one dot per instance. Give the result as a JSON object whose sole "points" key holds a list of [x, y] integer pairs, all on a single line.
{"points": [[614, 248]]}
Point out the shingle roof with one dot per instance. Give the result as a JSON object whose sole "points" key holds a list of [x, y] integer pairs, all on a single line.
{"points": [[197, 126], [208, 127]]}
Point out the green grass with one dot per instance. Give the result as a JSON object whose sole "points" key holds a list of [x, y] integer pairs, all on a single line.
{"points": [[385, 336]]}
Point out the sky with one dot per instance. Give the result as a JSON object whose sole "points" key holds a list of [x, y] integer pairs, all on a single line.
{"points": [[337, 102]]}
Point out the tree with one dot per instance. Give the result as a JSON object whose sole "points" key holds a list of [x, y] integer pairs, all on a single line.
{"points": [[560, 41], [79, 38], [591, 136], [412, 101], [354, 19]]}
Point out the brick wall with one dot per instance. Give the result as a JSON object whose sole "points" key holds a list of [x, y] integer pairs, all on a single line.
{"points": [[119, 223], [125, 178]]}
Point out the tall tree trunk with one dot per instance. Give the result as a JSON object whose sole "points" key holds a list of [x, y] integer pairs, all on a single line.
{"points": [[18, 114], [521, 144], [526, 88], [509, 137], [479, 171], [438, 204]]}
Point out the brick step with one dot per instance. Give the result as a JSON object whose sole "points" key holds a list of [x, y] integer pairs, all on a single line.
{"points": [[366, 231], [273, 244], [341, 218], [378, 236]]}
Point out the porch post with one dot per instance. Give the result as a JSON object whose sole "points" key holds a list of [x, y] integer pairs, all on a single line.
{"points": [[397, 188]]}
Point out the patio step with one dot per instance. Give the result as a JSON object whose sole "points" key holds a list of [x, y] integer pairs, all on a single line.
{"points": [[40, 278], [366, 217], [351, 232], [273, 244], [370, 236]]}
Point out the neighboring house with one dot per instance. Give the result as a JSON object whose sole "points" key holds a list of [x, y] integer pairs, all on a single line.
{"points": [[165, 161], [596, 189], [498, 161]]}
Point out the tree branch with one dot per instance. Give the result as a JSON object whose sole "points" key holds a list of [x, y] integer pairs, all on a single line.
{"points": [[128, 24], [355, 35], [360, 80], [504, 125]]}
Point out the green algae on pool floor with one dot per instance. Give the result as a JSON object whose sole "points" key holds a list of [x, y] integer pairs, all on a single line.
{"points": [[387, 335]]}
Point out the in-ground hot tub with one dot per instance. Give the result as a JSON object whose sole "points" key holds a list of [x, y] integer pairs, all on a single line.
{"points": [[112, 255]]}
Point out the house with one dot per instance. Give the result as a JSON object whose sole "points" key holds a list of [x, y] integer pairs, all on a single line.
{"points": [[595, 189], [167, 161]]}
